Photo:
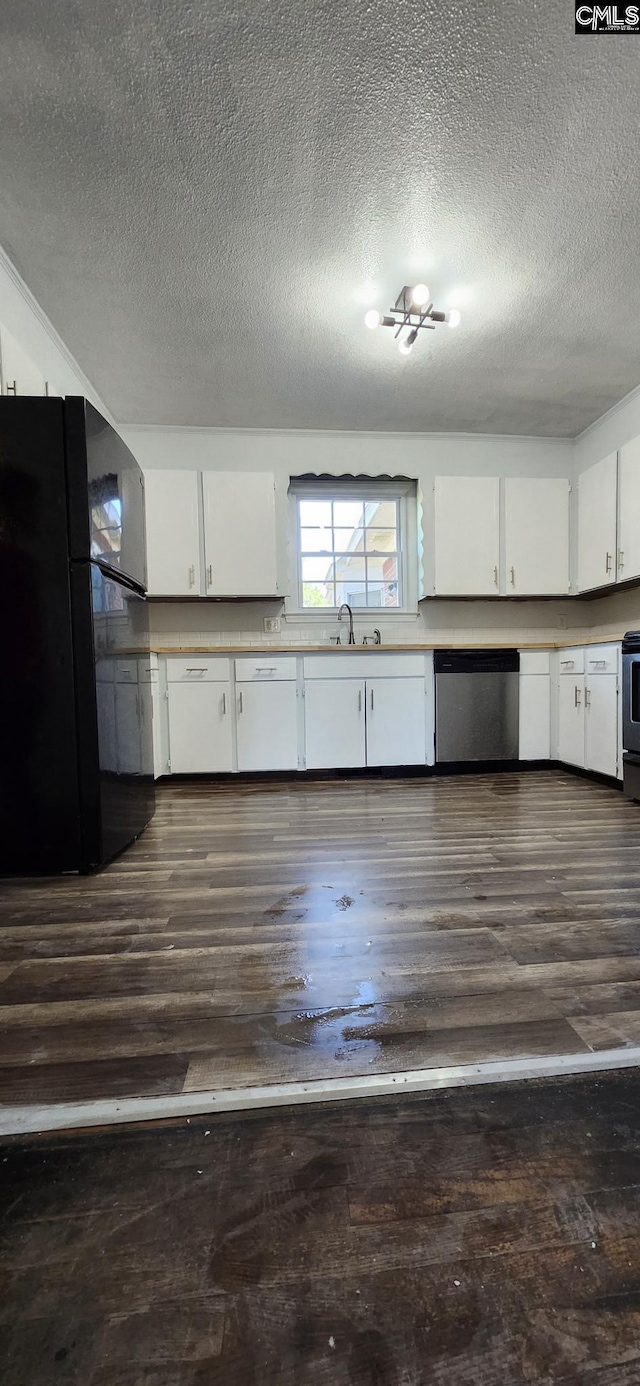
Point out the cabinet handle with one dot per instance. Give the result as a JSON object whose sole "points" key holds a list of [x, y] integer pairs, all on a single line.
{"points": [[576, 697], [210, 575], [608, 563], [240, 703], [495, 574], [266, 668], [359, 700], [513, 577], [372, 700], [224, 704], [587, 699], [192, 575], [196, 669], [11, 387], [621, 559]]}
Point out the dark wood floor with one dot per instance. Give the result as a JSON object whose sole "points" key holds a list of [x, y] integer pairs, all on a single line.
{"points": [[268, 932], [484, 1237]]}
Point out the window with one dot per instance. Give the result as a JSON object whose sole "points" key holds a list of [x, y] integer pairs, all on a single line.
{"points": [[349, 544]]}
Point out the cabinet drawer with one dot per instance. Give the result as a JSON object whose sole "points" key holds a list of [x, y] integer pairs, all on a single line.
{"points": [[601, 659], [534, 661], [571, 661], [362, 666], [196, 669], [266, 670]]}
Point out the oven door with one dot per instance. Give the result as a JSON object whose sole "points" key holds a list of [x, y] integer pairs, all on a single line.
{"points": [[631, 702]]}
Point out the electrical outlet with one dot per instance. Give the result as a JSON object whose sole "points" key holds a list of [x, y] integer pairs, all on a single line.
{"points": [[562, 623], [271, 625]]}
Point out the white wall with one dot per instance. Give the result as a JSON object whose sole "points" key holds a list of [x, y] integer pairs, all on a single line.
{"points": [[26, 321], [609, 433]]}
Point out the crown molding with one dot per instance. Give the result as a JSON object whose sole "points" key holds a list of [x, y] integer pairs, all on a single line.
{"points": [[347, 433]]}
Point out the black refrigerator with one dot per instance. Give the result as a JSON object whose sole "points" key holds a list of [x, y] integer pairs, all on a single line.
{"points": [[76, 762]]}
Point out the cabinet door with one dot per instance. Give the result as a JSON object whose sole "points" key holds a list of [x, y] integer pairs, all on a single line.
{"points": [[199, 728], [173, 535], [537, 534], [571, 719], [19, 375], [396, 721], [467, 534], [601, 724], [267, 723], [535, 717], [240, 534], [597, 505], [334, 723], [629, 511]]}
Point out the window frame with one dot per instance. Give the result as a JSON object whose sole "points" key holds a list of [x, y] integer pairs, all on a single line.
{"points": [[403, 492]]}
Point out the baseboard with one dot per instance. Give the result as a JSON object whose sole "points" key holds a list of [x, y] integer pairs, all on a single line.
{"points": [[610, 780]]}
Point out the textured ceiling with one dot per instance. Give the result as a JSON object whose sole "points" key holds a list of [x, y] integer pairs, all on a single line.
{"points": [[202, 196]]}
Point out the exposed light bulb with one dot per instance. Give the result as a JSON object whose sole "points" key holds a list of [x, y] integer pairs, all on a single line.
{"points": [[412, 337], [420, 295], [372, 318], [404, 346], [453, 317]]}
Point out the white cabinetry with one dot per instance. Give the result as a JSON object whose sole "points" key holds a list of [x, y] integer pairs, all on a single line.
{"points": [[597, 507], [395, 718], [200, 715], [267, 714], [19, 375], [588, 708], [239, 534], [334, 723], [601, 723], [467, 535], [537, 535], [629, 511], [535, 705], [173, 533]]}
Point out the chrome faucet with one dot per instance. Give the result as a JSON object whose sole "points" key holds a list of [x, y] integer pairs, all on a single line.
{"points": [[377, 635], [345, 607]]}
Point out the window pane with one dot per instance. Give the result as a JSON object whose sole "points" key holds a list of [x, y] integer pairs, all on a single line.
{"points": [[391, 594], [348, 514], [316, 540], [381, 569], [317, 569], [315, 514], [348, 540], [350, 568], [375, 596], [355, 593], [381, 540], [382, 513], [318, 594]]}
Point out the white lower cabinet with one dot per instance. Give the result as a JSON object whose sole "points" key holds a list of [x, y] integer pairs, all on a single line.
{"points": [[334, 723], [200, 727], [588, 708], [571, 719], [267, 724], [395, 721], [601, 723]]}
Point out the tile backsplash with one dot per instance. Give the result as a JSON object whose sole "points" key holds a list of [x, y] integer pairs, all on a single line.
{"points": [[569, 620]]}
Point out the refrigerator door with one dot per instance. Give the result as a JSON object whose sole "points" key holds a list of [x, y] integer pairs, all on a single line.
{"points": [[39, 808], [106, 495], [115, 732]]}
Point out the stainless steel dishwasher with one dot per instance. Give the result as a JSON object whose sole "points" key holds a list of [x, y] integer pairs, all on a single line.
{"points": [[477, 704]]}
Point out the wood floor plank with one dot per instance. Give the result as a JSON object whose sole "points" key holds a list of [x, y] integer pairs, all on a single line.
{"points": [[266, 931]]}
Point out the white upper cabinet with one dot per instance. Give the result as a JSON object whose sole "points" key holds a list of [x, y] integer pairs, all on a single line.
{"points": [[173, 533], [19, 375], [239, 534], [629, 511], [597, 505], [467, 535], [537, 535]]}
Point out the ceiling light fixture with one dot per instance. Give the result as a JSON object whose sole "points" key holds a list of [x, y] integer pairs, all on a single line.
{"points": [[414, 309]]}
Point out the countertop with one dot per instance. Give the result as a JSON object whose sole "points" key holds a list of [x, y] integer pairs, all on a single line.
{"points": [[424, 646]]}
